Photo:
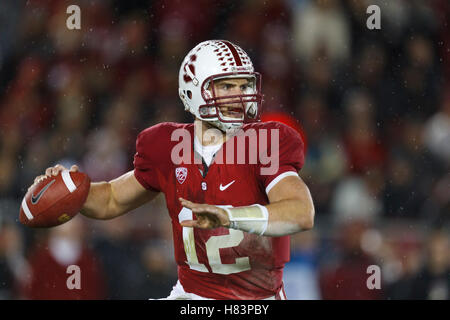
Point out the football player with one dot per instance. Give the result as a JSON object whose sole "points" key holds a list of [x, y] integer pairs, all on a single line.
{"points": [[232, 218]]}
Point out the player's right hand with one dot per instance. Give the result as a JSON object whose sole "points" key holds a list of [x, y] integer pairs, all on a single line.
{"points": [[208, 216], [52, 171]]}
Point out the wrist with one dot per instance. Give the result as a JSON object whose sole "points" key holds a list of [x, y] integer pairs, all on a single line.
{"points": [[252, 219]]}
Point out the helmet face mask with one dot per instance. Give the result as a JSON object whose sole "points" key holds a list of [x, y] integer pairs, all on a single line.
{"points": [[205, 65], [249, 103]]}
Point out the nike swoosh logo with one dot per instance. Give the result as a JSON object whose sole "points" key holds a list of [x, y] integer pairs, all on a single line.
{"points": [[35, 199], [225, 187]]}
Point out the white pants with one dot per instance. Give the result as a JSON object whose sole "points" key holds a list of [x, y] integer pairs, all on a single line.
{"points": [[178, 293]]}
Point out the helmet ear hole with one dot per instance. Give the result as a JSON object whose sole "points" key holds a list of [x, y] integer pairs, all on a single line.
{"points": [[189, 94]]}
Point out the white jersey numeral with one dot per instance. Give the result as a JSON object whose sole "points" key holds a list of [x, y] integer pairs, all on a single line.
{"points": [[189, 242], [213, 245]]}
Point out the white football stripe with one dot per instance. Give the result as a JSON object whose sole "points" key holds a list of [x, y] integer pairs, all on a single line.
{"points": [[26, 210], [65, 174]]}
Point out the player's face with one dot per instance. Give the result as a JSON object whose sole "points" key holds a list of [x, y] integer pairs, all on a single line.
{"points": [[231, 87]]}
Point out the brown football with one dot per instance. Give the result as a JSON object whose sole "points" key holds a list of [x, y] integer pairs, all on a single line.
{"points": [[54, 200]]}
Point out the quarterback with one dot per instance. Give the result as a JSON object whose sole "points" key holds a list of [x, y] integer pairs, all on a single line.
{"points": [[231, 220]]}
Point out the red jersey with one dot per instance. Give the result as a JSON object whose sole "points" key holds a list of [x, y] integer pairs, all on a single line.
{"points": [[220, 263]]}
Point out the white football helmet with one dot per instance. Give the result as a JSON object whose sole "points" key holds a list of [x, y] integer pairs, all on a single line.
{"points": [[212, 60]]}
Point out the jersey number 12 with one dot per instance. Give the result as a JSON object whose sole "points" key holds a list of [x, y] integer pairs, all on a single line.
{"points": [[213, 245]]}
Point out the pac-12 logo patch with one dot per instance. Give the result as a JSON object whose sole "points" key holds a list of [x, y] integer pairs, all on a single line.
{"points": [[181, 174]]}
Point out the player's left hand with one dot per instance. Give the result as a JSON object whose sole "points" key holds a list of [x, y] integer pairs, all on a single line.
{"points": [[208, 216]]}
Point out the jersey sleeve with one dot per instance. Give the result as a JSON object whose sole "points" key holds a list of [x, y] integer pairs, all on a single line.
{"points": [[287, 156], [148, 159]]}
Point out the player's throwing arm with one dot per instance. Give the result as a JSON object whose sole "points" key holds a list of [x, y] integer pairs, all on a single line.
{"points": [[102, 200]]}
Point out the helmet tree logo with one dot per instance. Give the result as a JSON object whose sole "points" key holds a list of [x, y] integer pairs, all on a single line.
{"points": [[189, 70]]}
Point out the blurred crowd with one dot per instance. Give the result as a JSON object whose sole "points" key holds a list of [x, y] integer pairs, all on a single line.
{"points": [[374, 106]]}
